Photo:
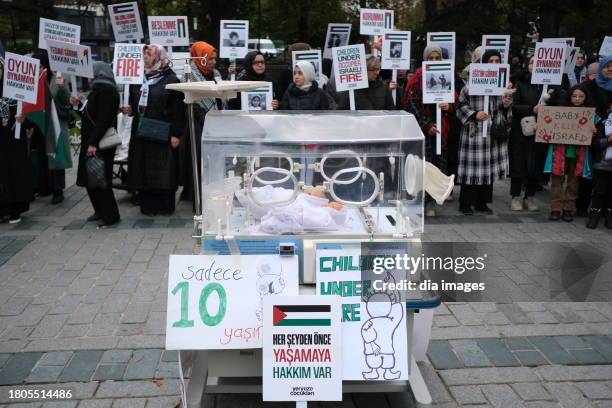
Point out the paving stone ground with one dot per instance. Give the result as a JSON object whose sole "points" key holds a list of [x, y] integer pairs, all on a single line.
{"points": [[84, 309]]}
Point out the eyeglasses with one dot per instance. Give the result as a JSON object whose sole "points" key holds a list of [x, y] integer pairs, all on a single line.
{"points": [[259, 62]]}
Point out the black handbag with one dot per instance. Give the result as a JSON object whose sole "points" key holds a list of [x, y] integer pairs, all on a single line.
{"points": [[153, 130], [499, 133], [96, 173]]}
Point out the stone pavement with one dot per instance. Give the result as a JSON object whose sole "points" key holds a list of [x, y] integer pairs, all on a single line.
{"points": [[84, 309]]}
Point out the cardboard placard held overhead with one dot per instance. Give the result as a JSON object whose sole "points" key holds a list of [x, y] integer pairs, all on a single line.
{"points": [[302, 351], [234, 38], [128, 65], [565, 125], [446, 41], [257, 99], [125, 19], [338, 35], [438, 82], [606, 46], [312, 56], [396, 50], [20, 80], [169, 31], [58, 31], [350, 69], [375, 22], [500, 43], [548, 63], [488, 79], [73, 59], [216, 301]]}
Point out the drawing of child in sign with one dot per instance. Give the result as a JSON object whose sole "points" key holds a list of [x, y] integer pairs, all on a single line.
{"points": [[269, 282], [386, 314]]}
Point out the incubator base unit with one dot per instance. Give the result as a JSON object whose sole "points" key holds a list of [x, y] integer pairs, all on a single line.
{"points": [[340, 175]]}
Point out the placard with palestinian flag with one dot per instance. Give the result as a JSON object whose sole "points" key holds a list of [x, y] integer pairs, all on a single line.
{"points": [[488, 79], [234, 38], [125, 19], [438, 81], [374, 21], [169, 31], [257, 99], [396, 50], [337, 36], [446, 41], [312, 56], [497, 42]]}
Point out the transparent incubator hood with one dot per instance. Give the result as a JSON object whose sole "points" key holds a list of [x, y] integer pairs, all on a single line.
{"points": [[312, 175]]}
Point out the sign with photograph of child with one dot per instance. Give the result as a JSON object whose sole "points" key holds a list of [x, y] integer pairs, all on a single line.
{"points": [[438, 82], [396, 50], [234, 38], [258, 99], [565, 125]]}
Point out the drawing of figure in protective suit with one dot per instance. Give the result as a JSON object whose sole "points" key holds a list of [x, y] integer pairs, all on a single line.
{"points": [[269, 282]]}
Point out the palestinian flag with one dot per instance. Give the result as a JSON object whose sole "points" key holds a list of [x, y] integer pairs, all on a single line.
{"points": [[389, 20], [35, 112], [181, 27], [441, 37], [301, 315], [502, 77], [123, 8], [340, 30], [234, 26], [438, 67], [310, 56], [396, 36], [495, 42]]}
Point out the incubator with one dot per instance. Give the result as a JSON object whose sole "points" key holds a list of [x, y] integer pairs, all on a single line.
{"points": [[337, 175]]}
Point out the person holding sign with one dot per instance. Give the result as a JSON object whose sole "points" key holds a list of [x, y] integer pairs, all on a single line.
{"points": [[482, 158], [601, 204], [254, 69], [304, 93], [377, 96]]}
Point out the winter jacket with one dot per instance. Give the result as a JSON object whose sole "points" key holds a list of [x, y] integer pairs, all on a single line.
{"points": [[377, 96], [312, 99]]}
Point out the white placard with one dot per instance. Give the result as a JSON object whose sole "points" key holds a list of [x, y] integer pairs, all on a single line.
{"points": [[125, 19], [215, 301], [350, 69], [338, 35], [234, 38], [570, 60], [258, 99], [606, 46], [312, 56], [128, 65], [20, 80], [500, 43], [169, 31], [374, 21], [396, 50], [567, 40], [438, 82], [58, 31], [488, 79], [374, 336], [446, 41], [548, 63], [73, 59], [302, 349]]}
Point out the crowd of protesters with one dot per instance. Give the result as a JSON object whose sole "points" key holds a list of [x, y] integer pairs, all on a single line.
{"points": [[579, 177]]}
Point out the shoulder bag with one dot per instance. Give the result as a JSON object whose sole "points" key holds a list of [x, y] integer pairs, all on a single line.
{"points": [[110, 139]]}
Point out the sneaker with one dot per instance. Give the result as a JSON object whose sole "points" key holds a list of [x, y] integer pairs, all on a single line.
{"points": [[58, 197], [483, 209], [516, 204], [554, 216], [567, 216], [530, 205], [14, 219], [430, 213]]}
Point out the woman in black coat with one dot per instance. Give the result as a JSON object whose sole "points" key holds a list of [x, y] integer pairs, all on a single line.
{"points": [[254, 69], [153, 165], [304, 93], [99, 114]]}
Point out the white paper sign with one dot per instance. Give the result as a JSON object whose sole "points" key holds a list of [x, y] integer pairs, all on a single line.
{"points": [[606, 46], [396, 50], [216, 301], [570, 60], [234, 38], [128, 65], [374, 337], [567, 40], [302, 350], [168, 31], [58, 31], [312, 56], [374, 21], [446, 41], [438, 82], [20, 80], [125, 19], [337, 36], [488, 79], [258, 99], [548, 63], [500, 43], [73, 59], [350, 67]]}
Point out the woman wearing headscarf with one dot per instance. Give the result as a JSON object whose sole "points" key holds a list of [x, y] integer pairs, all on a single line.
{"points": [[580, 70], [254, 69], [475, 58], [99, 115], [304, 92], [482, 159], [153, 155], [377, 96]]}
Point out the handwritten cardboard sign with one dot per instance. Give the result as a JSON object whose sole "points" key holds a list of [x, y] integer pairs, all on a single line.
{"points": [[565, 125]]}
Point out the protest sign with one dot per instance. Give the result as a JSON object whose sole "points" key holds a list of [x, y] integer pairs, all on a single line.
{"points": [[258, 99], [350, 67], [234, 38], [302, 349], [488, 79], [565, 125], [337, 36], [128, 65], [312, 56], [548, 63], [58, 31], [125, 19], [73, 59], [500, 43], [606, 46], [446, 41], [396, 50], [375, 22], [570, 60], [438, 82], [169, 31], [215, 301], [566, 40], [20, 80], [374, 336]]}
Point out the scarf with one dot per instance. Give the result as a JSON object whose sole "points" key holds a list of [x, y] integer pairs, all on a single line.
{"points": [[602, 82], [160, 59], [309, 74], [248, 73], [149, 81], [208, 103], [201, 49], [103, 74]]}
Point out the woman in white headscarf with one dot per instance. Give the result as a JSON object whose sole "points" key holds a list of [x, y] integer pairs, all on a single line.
{"points": [[304, 93]]}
